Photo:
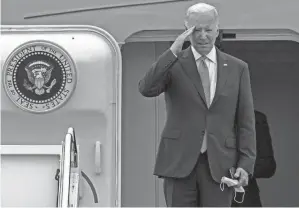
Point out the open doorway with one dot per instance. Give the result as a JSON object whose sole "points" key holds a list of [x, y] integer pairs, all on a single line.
{"points": [[274, 70]]}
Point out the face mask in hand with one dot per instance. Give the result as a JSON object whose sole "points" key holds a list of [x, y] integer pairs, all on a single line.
{"points": [[239, 192]]}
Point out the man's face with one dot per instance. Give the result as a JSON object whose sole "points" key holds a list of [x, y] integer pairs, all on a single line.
{"points": [[205, 32]]}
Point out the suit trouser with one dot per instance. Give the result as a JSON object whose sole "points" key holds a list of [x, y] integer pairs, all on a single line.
{"points": [[197, 189]]}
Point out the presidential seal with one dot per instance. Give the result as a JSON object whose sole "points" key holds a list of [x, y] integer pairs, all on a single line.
{"points": [[39, 76]]}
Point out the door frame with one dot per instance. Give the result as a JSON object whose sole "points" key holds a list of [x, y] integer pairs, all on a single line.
{"points": [[238, 35]]}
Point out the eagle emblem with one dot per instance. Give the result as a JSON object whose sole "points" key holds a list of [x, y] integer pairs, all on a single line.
{"points": [[39, 74]]}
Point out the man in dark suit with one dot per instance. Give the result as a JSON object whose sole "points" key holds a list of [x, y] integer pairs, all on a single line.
{"points": [[210, 117], [265, 165]]}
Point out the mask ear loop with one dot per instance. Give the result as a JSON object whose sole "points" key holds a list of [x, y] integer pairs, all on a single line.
{"points": [[222, 186], [243, 194], [240, 202]]}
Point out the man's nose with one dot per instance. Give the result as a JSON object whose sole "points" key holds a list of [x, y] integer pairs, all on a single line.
{"points": [[202, 34]]}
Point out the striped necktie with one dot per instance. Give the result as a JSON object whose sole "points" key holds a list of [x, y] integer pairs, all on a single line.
{"points": [[205, 78]]}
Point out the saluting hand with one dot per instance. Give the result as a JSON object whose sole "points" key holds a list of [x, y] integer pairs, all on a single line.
{"points": [[176, 47]]}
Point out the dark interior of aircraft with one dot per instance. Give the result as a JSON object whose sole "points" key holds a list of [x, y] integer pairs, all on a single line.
{"points": [[274, 75]]}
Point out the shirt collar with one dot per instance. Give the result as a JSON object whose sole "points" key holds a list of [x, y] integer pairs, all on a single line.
{"points": [[211, 56]]}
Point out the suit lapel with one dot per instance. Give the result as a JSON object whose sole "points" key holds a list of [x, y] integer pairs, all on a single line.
{"points": [[222, 74], [187, 60]]}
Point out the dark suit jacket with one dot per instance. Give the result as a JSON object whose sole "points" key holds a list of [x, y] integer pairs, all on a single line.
{"points": [[229, 121], [265, 165]]}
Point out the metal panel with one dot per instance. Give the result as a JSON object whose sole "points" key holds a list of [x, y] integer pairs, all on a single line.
{"points": [[141, 129], [138, 125], [28, 180]]}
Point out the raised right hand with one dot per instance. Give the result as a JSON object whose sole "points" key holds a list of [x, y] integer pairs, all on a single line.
{"points": [[176, 47]]}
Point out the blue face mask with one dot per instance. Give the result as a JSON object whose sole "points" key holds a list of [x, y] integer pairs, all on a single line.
{"points": [[239, 192]]}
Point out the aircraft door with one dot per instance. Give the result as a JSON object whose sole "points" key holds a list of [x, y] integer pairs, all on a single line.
{"points": [[53, 78]]}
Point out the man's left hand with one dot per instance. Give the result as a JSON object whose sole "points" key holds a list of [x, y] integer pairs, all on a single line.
{"points": [[242, 176]]}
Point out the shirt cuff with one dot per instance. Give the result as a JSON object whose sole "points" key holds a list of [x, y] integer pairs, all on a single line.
{"points": [[174, 54]]}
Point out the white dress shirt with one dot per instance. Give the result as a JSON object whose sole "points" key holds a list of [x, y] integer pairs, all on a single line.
{"points": [[211, 62]]}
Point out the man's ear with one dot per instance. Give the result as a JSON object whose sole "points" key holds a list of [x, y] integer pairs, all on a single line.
{"points": [[218, 30], [186, 25]]}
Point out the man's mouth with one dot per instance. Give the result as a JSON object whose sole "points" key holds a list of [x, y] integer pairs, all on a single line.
{"points": [[203, 44]]}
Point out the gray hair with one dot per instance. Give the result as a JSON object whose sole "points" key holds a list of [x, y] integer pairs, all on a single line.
{"points": [[201, 7]]}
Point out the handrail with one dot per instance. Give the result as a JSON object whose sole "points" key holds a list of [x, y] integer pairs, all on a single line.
{"points": [[66, 171], [60, 189], [75, 158], [68, 193]]}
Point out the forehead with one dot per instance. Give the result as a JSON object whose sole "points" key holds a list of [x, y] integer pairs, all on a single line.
{"points": [[202, 19]]}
